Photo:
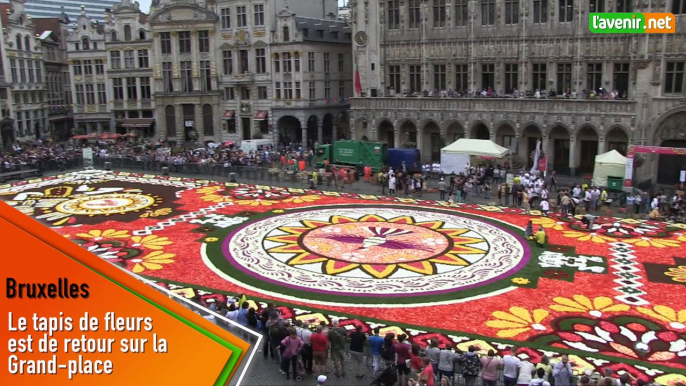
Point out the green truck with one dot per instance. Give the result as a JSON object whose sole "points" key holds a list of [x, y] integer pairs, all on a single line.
{"points": [[352, 153]]}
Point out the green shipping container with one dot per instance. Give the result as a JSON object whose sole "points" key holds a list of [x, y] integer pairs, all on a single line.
{"points": [[346, 152], [615, 183], [374, 154]]}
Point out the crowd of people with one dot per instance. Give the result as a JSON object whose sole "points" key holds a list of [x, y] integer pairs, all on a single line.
{"points": [[305, 349], [41, 156], [488, 92]]}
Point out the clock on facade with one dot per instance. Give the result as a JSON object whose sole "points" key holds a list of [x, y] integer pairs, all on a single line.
{"points": [[361, 38]]}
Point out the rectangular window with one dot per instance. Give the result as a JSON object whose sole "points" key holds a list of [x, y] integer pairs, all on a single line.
{"points": [[288, 90], [540, 76], [461, 77], [564, 77], [29, 65], [90, 94], [625, 6], [313, 91], [596, 6], [204, 41], [80, 100], [146, 91], [674, 78], [167, 77], [341, 63], [511, 11], [165, 43], [78, 67], [229, 94], [594, 76], [394, 77], [227, 62], [439, 13], [205, 76], [566, 11], [22, 70], [341, 89], [541, 11], [262, 92], [259, 14], [327, 90], [99, 67], [287, 63], [393, 14], [310, 61], [245, 93], [620, 79], [241, 17], [488, 76], [260, 60], [414, 13], [277, 90], [87, 67], [511, 77], [277, 63], [186, 76], [327, 64], [487, 12], [184, 42], [143, 59], [415, 79], [225, 17], [39, 73], [129, 60], [118, 88], [102, 94], [13, 66], [296, 61], [131, 89], [461, 13], [245, 63], [439, 77], [678, 7]]}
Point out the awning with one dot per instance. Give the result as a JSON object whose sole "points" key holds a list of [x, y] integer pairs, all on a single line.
{"points": [[228, 114], [261, 115], [138, 122]]}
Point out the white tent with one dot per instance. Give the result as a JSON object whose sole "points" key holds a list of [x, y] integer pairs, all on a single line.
{"points": [[456, 156], [610, 164]]}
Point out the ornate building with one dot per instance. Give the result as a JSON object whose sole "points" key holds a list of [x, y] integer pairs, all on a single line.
{"points": [[511, 49], [23, 63], [128, 41]]}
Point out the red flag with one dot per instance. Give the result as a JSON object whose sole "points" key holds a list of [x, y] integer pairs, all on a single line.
{"points": [[358, 82]]}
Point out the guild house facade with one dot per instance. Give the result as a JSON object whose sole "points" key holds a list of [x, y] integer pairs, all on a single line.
{"points": [[515, 72]]}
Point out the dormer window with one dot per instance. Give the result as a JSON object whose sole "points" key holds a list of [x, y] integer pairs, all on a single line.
{"points": [[286, 34], [84, 27], [127, 33], [113, 36], [85, 44], [141, 35], [18, 41]]}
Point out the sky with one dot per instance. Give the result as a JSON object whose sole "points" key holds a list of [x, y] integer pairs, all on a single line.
{"points": [[145, 4]]}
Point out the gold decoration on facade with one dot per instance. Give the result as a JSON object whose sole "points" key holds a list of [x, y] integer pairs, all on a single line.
{"points": [[259, 34], [158, 71], [90, 109], [195, 70], [227, 36]]}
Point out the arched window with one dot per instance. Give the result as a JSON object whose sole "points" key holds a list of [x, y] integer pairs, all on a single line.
{"points": [[286, 34], [127, 33], [85, 44], [27, 43], [207, 120], [113, 36], [141, 35], [18, 42], [170, 118]]}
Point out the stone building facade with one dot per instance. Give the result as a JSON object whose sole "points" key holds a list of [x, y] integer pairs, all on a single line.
{"points": [[513, 48]]}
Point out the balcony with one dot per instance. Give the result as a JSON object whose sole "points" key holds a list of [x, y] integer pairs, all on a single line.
{"points": [[242, 78]]}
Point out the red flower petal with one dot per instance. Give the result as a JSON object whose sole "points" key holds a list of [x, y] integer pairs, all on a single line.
{"points": [[609, 327], [637, 327], [668, 336], [568, 336]]}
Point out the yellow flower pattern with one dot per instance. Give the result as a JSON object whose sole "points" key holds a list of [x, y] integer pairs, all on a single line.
{"points": [[153, 261], [521, 281], [211, 239], [677, 274], [519, 320], [653, 242], [151, 241], [676, 320], [582, 304], [593, 237], [106, 234], [302, 199], [547, 223]]}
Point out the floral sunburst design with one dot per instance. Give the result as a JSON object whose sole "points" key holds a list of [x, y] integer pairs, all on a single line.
{"points": [[377, 246], [608, 227], [259, 192]]}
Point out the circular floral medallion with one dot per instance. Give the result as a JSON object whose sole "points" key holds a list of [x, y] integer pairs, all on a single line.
{"points": [[106, 204], [373, 253]]}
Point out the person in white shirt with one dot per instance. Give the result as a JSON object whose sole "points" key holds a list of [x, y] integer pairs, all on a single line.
{"points": [[576, 192], [511, 365], [540, 379], [526, 371], [545, 207]]}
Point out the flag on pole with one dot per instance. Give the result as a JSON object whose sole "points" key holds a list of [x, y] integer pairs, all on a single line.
{"points": [[358, 82]]}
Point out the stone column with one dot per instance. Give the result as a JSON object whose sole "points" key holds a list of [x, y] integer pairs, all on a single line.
{"points": [[320, 131], [334, 133], [572, 155], [180, 128], [601, 140], [99, 127], [419, 143], [544, 149], [198, 124], [304, 135]]}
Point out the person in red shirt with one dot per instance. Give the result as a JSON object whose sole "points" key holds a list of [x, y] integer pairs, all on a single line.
{"points": [[367, 173], [320, 345], [428, 373], [283, 161], [403, 353]]}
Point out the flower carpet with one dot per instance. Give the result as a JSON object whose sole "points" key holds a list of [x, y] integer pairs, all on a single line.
{"points": [[610, 296]]}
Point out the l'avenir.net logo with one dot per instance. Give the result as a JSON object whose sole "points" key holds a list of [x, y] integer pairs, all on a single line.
{"points": [[632, 23]]}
